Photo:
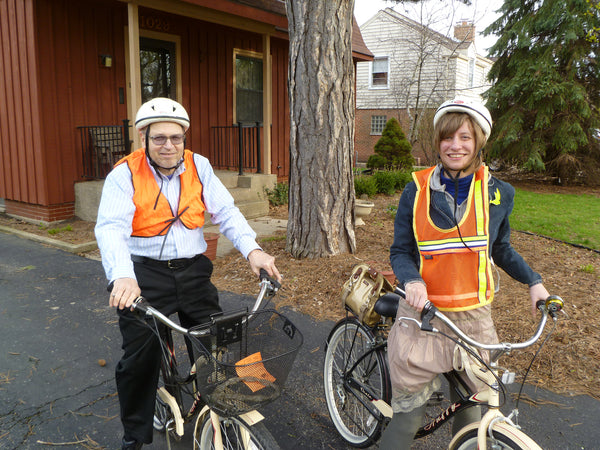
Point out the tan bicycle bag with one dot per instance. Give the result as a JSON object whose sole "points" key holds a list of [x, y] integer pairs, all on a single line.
{"points": [[361, 292]]}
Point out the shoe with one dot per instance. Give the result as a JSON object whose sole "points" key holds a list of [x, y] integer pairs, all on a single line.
{"points": [[130, 445]]}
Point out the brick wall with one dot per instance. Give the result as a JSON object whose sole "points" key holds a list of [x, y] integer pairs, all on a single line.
{"points": [[40, 213], [364, 142]]}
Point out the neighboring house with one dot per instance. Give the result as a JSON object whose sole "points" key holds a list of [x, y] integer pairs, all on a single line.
{"points": [[73, 71], [414, 69]]}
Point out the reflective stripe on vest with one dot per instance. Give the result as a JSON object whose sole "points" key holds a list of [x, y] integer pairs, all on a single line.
{"points": [[152, 220], [456, 267]]}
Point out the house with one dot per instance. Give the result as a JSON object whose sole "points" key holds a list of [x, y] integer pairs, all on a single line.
{"points": [[75, 73], [413, 71]]}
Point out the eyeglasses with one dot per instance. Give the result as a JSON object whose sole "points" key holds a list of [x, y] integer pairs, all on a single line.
{"points": [[176, 139]]}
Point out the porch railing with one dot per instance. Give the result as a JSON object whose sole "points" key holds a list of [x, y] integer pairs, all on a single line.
{"points": [[102, 146], [236, 147]]}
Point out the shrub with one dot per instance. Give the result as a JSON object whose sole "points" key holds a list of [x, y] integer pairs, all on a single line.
{"points": [[401, 178], [376, 162], [385, 182], [394, 147], [279, 195], [365, 185]]}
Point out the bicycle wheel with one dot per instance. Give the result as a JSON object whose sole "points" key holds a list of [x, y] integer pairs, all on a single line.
{"points": [[358, 425], [236, 434], [505, 437]]}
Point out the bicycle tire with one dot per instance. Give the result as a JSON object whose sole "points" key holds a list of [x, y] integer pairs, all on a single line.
{"points": [[506, 437], [353, 421], [232, 429]]}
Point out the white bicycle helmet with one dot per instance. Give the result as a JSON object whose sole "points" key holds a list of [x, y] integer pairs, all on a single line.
{"points": [[161, 109], [477, 111]]}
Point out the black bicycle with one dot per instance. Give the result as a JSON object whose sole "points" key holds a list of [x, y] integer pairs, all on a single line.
{"points": [[220, 372], [358, 390]]}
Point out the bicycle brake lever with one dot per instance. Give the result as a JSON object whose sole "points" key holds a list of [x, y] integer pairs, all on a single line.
{"points": [[427, 314]]}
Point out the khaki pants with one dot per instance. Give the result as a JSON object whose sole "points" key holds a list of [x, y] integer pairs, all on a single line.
{"points": [[416, 357]]}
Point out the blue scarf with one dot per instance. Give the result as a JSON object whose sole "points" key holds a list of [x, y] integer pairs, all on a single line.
{"points": [[463, 187]]}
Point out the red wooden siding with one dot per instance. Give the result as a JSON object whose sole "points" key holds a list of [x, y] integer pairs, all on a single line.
{"points": [[21, 157], [280, 133]]}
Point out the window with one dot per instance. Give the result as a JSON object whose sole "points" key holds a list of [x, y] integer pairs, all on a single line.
{"points": [[377, 124], [379, 72], [248, 89], [471, 72]]}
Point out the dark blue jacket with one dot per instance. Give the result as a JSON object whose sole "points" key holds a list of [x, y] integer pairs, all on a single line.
{"points": [[404, 254]]}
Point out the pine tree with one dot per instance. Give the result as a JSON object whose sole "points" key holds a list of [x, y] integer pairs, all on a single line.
{"points": [[392, 149], [546, 88]]}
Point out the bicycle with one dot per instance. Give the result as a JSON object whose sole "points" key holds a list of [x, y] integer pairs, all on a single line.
{"points": [[358, 389], [233, 364]]}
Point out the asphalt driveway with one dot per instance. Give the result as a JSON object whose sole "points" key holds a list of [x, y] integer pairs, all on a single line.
{"points": [[55, 327]]}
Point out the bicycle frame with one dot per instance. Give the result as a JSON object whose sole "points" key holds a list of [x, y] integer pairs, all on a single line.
{"points": [[379, 408]]}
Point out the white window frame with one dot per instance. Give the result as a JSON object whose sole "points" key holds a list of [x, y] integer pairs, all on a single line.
{"points": [[371, 63]]}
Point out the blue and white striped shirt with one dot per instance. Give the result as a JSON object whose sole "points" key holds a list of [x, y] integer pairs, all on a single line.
{"points": [[115, 216]]}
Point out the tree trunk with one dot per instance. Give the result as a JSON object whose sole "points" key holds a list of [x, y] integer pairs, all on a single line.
{"points": [[321, 90]]}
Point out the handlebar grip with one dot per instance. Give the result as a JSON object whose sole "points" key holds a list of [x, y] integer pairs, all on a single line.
{"points": [[140, 305], [539, 304], [264, 275]]}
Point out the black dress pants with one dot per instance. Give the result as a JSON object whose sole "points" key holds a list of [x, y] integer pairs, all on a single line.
{"points": [[187, 291]]}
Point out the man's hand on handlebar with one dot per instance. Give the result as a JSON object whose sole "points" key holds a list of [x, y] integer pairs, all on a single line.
{"points": [[262, 260], [124, 292]]}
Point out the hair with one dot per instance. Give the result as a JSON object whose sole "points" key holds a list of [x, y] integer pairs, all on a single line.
{"points": [[450, 122]]}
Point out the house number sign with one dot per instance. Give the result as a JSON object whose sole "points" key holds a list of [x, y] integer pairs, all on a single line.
{"points": [[154, 23]]}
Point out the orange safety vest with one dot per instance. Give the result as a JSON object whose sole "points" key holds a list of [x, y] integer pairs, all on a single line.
{"points": [[458, 278], [152, 220]]}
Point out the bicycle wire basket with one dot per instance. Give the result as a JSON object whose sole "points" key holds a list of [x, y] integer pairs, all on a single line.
{"points": [[250, 358]]}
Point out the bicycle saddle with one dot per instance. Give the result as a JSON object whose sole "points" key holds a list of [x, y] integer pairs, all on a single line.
{"points": [[387, 305]]}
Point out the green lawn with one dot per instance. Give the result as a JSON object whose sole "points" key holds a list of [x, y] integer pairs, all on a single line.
{"points": [[568, 217]]}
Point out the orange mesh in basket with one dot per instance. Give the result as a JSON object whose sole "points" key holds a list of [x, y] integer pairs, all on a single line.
{"points": [[251, 366]]}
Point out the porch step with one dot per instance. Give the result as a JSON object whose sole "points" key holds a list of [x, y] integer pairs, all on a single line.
{"points": [[248, 192]]}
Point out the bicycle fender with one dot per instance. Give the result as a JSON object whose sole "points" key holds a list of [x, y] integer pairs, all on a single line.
{"points": [[170, 400], [510, 431], [252, 417]]}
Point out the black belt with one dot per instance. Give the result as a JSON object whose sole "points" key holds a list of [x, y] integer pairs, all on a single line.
{"points": [[173, 264]]}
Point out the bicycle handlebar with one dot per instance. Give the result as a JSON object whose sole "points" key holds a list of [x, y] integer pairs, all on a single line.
{"points": [[268, 288], [549, 307]]}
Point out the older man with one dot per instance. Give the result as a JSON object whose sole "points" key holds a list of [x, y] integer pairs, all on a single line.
{"points": [[151, 237]]}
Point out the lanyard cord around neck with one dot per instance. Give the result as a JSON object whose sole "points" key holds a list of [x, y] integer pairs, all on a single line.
{"points": [[455, 180]]}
